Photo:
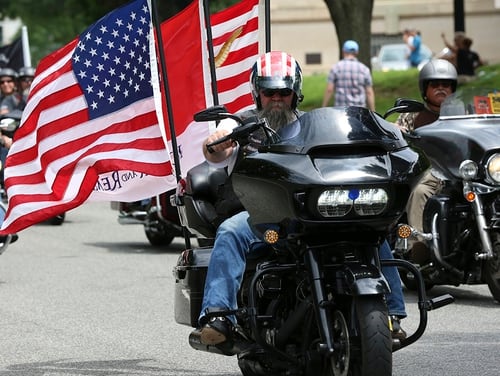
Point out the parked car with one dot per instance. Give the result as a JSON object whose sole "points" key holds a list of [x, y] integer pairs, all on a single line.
{"points": [[395, 57]]}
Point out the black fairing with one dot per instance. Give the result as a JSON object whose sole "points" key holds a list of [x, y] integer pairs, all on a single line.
{"points": [[449, 141], [328, 148]]}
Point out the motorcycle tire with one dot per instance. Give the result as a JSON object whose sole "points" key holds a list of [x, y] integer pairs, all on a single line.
{"points": [[57, 220], [159, 238], [491, 269], [373, 356]]}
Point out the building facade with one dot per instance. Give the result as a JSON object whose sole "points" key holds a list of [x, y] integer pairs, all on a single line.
{"points": [[304, 27]]}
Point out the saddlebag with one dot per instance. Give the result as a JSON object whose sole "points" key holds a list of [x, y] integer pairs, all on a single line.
{"points": [[189, 274]]}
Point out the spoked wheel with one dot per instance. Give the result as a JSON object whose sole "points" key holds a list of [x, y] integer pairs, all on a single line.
{"points": [[341, 359], [373, 357], [491, 269]]}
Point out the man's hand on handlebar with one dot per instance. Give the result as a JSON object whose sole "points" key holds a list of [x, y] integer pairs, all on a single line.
{"points": [[218, 152]]}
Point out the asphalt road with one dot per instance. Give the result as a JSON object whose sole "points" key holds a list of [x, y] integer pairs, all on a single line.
{"points": [[93, 298]]}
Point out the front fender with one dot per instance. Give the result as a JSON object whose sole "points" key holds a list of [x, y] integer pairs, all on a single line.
{"points": [[363, 280]]}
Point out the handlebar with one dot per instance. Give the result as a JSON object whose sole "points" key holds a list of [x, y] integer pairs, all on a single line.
{"points": [[240, 133]]}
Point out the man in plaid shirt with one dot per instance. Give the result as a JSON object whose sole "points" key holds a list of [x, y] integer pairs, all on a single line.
{"points": [[351, 80]]}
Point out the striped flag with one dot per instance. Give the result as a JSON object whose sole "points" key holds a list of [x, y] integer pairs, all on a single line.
{"points": [[235, 34], [90, 120], [186, 59], [236, 48], [90, 130]]}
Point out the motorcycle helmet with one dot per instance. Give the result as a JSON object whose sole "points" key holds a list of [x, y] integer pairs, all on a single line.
{"points": [[26, 72], [437, 69], [8, 72], [276, 70]]}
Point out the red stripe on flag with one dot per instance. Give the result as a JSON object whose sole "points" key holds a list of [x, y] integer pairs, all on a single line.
{"points": [[233, 81], [240, 55], [240, 103]]}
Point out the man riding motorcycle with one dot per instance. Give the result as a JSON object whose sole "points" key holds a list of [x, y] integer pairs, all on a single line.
{"points": [[437, 80], [276, 80]]}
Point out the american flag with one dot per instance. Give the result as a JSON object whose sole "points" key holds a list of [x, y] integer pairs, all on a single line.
{"points": [[236, 47], [90, 126], [235, 58]]}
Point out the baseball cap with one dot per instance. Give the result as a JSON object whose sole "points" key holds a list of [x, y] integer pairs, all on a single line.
{"points": [[350, 46]]}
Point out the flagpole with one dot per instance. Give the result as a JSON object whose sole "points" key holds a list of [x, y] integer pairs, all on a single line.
{"points": [[268, 24], [170, 115], [26, 47], [211, 57], [156, 23]]}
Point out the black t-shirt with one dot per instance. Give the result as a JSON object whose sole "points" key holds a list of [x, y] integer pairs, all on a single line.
{"points": [[467, 60]]}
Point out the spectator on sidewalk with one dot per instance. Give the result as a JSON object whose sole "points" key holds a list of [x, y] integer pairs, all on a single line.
{"points": [[350, 80]]}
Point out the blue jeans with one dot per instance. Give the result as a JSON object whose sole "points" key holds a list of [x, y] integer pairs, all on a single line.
{"points": [[233, 243]]}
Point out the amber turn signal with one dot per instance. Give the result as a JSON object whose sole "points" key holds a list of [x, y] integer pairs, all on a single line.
{"points": [[404, 231], [271, 236]]}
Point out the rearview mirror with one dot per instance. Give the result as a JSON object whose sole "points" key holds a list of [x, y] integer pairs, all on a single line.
{"points": [[403, 105], [212, 113]]}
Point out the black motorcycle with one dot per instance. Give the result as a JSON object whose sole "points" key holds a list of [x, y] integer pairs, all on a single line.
{"points": [[461, 224], [159, 218], [322, 198]]}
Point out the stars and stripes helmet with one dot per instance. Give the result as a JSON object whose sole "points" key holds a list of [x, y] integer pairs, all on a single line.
{"points": [[276, 70]]}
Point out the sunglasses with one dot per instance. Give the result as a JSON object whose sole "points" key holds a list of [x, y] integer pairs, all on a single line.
{"points": [[281, 92], [444, 83], [6, 82], [26, 79]]}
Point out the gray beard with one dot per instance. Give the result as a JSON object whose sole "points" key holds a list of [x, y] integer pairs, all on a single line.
{"points": [[277, 119]]}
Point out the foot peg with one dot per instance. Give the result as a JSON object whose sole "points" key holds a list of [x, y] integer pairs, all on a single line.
{"points": [[439, 301]]}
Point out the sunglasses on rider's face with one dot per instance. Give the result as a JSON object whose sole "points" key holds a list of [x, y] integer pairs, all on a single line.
{"points": [[281, 92], [444, 83]]}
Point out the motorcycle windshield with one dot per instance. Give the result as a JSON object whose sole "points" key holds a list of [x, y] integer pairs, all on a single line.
{"points": [[472, 103], [338, 126]]}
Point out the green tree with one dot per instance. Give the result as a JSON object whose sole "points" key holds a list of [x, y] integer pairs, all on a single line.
{"points": [[53, 23], [352, 20]]}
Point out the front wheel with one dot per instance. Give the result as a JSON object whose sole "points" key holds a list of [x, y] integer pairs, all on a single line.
{"points": [[371, 346], [491, 269]]}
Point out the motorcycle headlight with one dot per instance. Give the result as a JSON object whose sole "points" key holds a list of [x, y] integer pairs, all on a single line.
{"points": [[468, 169], [334, 203], [339, 202], [493, 168], [371, 201]]}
